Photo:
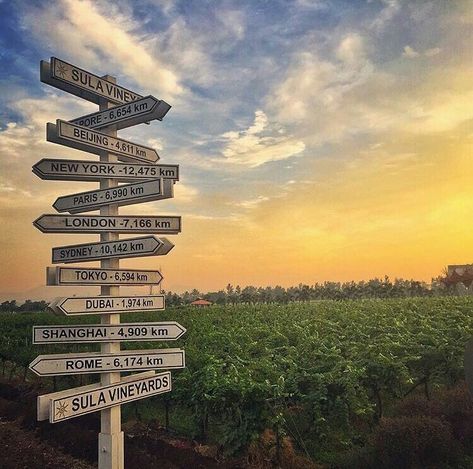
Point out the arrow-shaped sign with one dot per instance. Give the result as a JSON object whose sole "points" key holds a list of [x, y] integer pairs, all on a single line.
{"points": [[79, 305], [98, 276], [82, 170], [85, 402], [86, 333], [82, 138], [82, 83], [132, 247], [126, 115], [108, 223], [127, 194], [43, 401], [98, 362]]}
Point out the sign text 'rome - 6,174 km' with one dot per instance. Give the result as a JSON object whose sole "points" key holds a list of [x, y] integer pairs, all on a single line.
{"points": [[144, 180]]}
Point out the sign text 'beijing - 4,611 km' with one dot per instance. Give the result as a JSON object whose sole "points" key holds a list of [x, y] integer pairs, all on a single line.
{"points": [[82, 138]]}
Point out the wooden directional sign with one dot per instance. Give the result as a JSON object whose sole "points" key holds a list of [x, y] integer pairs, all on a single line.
{"points": [[92, 141], [43, 401], [104, 223], [84, 84], [126, 115], [130, 332], [98, 276], [132, 247], [80, 170], [127, 194], [98, 362], [108, 396], [79, 305]]}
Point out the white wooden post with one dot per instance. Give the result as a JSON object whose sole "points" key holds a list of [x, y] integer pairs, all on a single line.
{"points": [[111, 441]]}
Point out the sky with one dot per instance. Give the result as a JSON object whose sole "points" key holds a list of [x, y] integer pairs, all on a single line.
{"points": [[317, 140]]}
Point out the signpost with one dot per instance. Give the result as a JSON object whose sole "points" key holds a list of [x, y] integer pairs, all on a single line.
{"points": [[79, 305], [44, 401], [91, 276], [118, 108], [126, 115], [81, 170], [107, 224], [132, 247], [127, 194], [84, 84], [105, 397], [92, 141], [98, 362], [86, 333]]}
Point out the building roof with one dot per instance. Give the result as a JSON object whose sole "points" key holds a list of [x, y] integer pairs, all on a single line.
{"points": [[201, 302]]}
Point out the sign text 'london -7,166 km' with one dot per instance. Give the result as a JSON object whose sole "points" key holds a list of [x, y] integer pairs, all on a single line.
{"points": [[50, 223]]}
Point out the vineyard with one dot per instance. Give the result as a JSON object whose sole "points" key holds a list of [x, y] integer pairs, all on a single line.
{"points": [[328, 376]]}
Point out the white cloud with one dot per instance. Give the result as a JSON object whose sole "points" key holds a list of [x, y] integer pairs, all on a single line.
{"points": [[104, 42], [432, 52], [390, 10], [260, 143], [409, 52]]}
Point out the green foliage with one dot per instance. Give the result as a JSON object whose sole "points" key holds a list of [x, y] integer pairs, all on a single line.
{"points": [[322, 372]]}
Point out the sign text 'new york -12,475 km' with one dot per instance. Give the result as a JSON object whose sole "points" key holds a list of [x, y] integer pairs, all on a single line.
{"points": [[82, 170], [50, 223]]}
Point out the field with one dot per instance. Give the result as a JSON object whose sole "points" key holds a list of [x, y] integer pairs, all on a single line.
{"points": [[335, 382]]}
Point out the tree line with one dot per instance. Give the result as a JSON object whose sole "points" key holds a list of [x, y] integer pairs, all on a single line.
{"points": [[232, 295], [373, 288]]}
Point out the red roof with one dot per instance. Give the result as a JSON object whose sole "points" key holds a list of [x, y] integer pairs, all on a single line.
{"points": [[201, 302]]}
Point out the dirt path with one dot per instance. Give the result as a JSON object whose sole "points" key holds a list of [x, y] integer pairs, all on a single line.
{"points": [[26, 443]]}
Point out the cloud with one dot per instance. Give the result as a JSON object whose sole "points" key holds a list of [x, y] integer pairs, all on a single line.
{"points": [[105, 40], [390, 10], [409, 52], [260, 143]]}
